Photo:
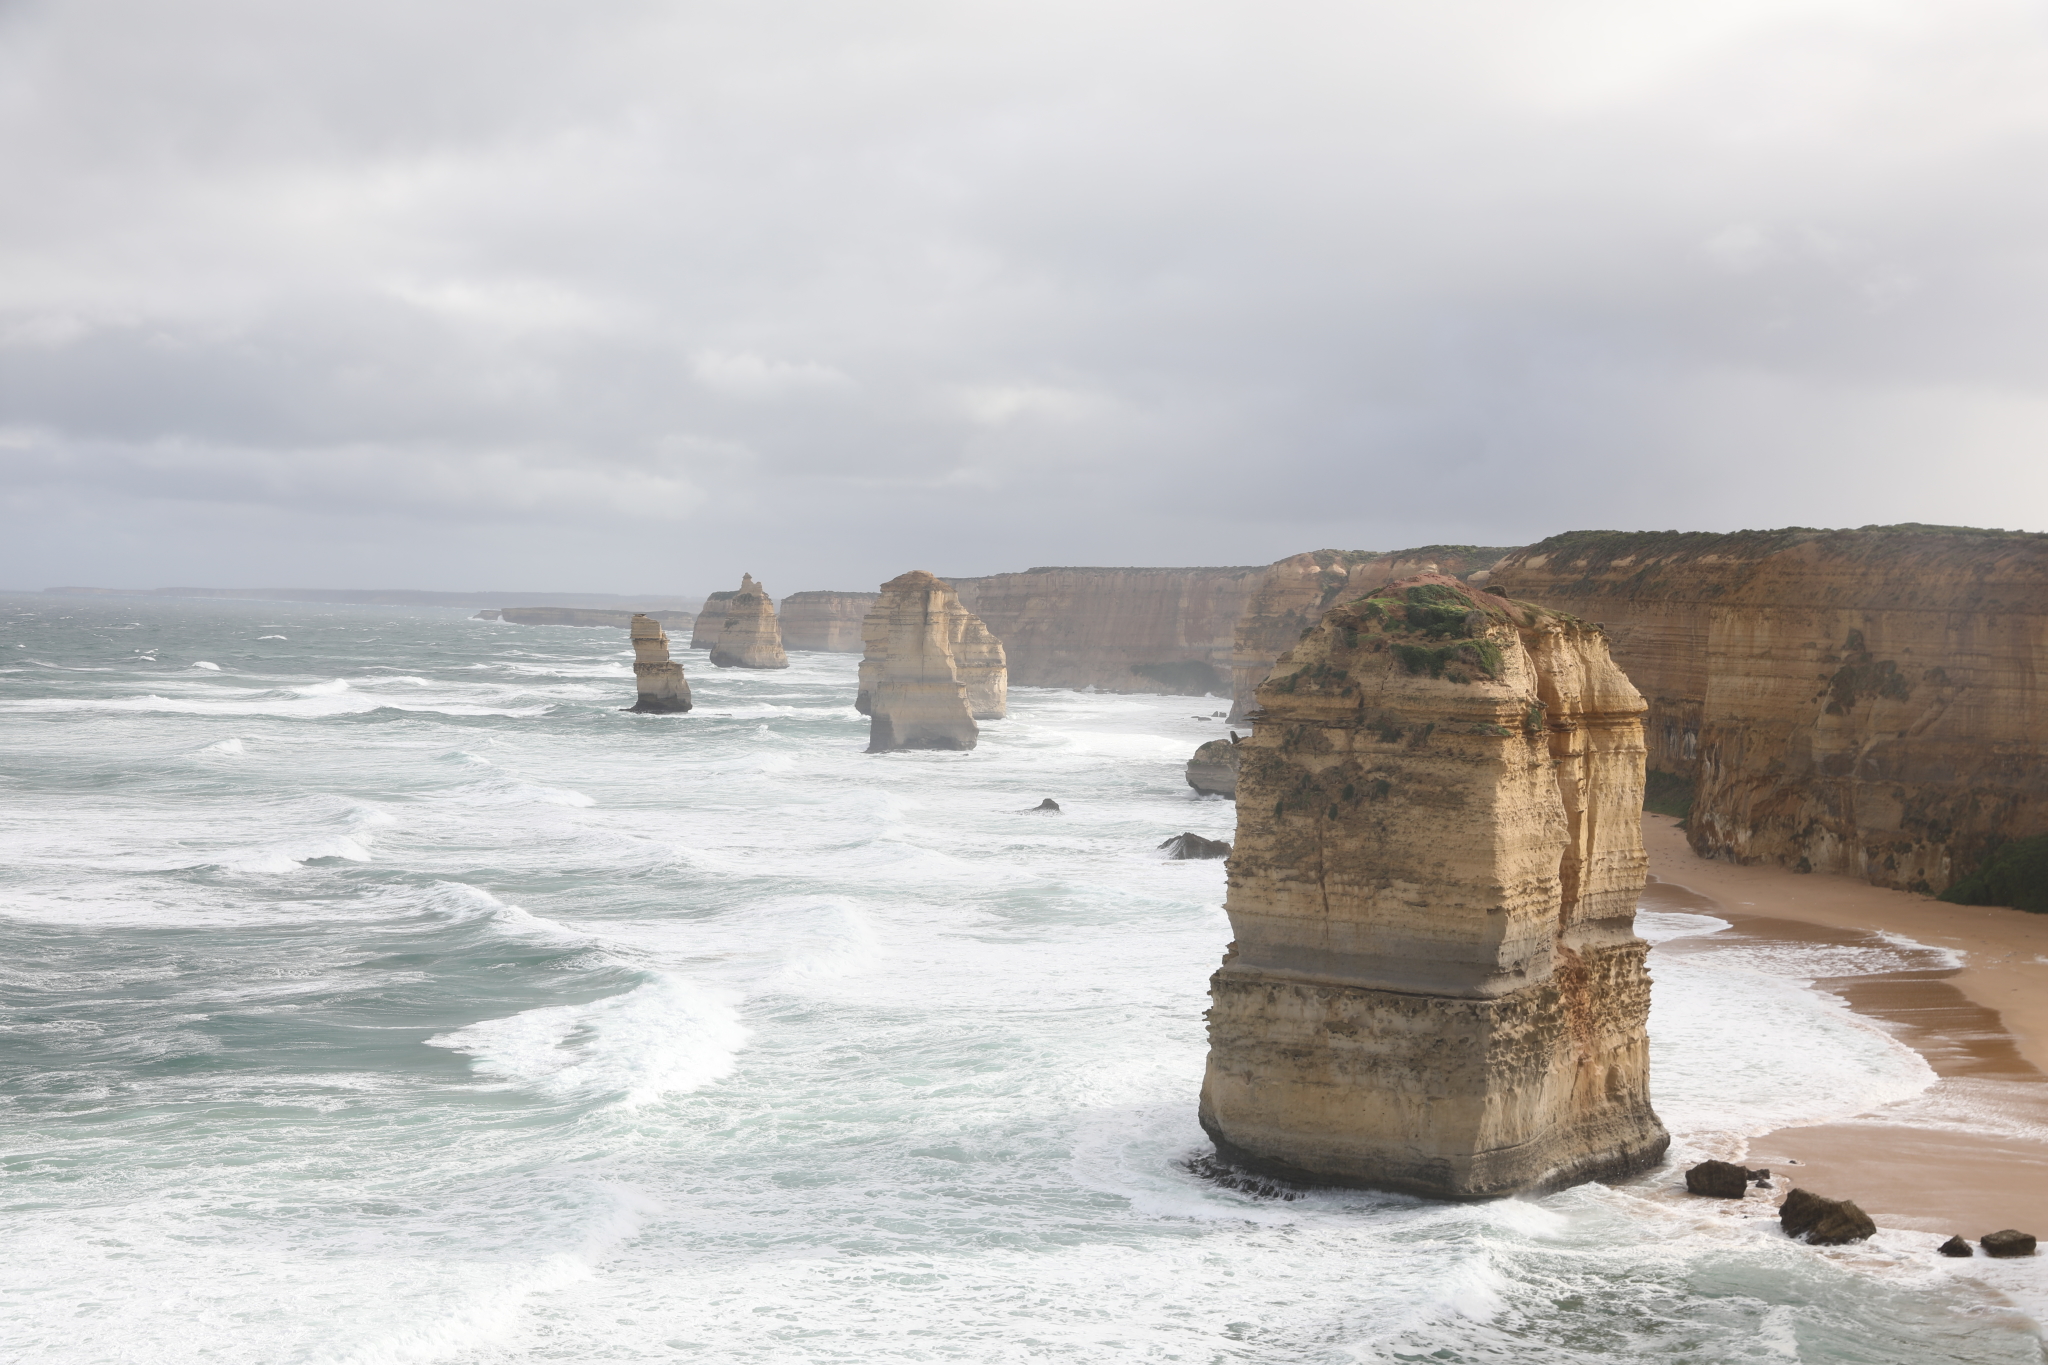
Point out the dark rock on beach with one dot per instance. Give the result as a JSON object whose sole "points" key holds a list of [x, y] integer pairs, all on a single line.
{"points": [[1956, 1246], [1186, 846], [1718, 1180], [2010, 1242], [1822, 1221]]}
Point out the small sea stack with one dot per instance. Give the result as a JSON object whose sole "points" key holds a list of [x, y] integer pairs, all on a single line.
{"points": [[751, 637], [979, 661], [909, 679], [660, 680], [1435, 985], [1213, 769], [710, 622]]}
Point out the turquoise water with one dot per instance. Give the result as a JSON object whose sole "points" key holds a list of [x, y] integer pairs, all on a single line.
{"points": [[382, 992]]}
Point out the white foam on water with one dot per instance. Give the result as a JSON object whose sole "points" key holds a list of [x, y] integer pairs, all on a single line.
{"points": [[231, 745], [202, 663], [270, 637]]}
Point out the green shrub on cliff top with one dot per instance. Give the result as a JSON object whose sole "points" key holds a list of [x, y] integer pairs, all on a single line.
{"points": [[2015, 874]]}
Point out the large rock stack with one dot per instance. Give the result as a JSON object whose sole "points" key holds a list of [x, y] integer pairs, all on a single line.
{"points": [[751, 636], [910, 680], [1436, 984], [979, 661], [662, 686]]}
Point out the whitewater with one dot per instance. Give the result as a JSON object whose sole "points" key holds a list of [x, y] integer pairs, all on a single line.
{"points": [[373, 989]]}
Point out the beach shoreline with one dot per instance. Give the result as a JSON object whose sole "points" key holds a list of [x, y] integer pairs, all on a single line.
{"points": [[1969, 1155]]}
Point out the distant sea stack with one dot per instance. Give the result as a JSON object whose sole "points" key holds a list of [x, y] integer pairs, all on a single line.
{"points": [[710, 622], [909, 678], [979, 660], [662, 686], [751, 637], [1293, 593], [1866, 702], [1436, 985], [827, 621]]}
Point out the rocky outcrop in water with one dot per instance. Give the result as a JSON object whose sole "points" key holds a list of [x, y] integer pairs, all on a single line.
{"points": [[1866, 702], [1718, 1180], [1435, 984], [909, 681], [2010, 1242], [1189, 847], [829, 621], [1213, 769], [1292, 594], [979, 661], [662, 687], [709, 623], [751, 636], [1823, 1222], [1116, 630]]}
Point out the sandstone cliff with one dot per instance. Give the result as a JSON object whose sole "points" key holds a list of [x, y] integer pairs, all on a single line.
{"points": [[825, 620], [1117, 630], [710, 622], [751, 636], [979, 661], [660, 680], [1213, 769], [909, 680], [1292, 595], [1866, 702], [1435, 984]]}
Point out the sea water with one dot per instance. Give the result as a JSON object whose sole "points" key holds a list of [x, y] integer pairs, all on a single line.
{"points": [[376, 990]]}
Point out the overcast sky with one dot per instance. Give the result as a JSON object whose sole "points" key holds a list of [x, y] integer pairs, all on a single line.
{"points": [[607, 295]]}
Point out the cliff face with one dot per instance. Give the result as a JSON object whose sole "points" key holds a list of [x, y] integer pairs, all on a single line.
{"points": [[660, 680], [1118, 630], [826, 620], [979, 662], [1292, 595], [751, 636], [1866, 702], [1435, 984], [909, 679], [710, 622]]}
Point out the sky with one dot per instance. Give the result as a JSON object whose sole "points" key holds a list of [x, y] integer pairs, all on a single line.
{"points": [[619, 296]]}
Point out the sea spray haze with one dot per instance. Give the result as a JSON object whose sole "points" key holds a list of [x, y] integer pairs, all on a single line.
{"points": [[384, 993]]}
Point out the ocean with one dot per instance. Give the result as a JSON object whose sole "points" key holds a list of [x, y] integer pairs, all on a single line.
{"points": [[374, 989]]}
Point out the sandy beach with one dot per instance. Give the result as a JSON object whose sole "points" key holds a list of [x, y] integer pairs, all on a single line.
{"points": [[1971, 1154]]}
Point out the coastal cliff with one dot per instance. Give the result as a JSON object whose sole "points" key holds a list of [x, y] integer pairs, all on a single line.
{"points": [[1116, 630], [825, 620], [751, 637], [1435, 984], [659, 679], [710, 622], [1293, 593], [909, 680], [978, 659], [1865, 702]]}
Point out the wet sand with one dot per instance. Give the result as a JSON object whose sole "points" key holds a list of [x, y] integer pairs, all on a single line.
{"points": [[1971, 1154]]}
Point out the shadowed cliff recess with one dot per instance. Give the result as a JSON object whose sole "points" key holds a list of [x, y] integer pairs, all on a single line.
{"points": [[1435, 984]]}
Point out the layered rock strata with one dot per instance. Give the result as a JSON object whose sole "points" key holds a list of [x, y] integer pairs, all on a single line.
{"points": [[1213, 769], [1866, 702], [909, 680], [979, 660], [710, 622], [662, 687], [829, 621], [1293, 593], [1436, 985], [751, 636]]}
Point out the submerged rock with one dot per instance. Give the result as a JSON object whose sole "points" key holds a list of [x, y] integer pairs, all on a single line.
{"points": [[751, 636], [1213, 769], [662, 687], [1436, 985], [1956, 1246], [2009, 1242], [1189, 846], [1823, 1221], [1718, 1180], [909, 679]]}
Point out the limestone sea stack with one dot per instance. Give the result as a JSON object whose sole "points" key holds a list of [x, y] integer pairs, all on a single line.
{"points": [[751, 637], [1213, 769], [710, 622], [662, 686], [1436, 985], [909, 679], [979, 660]]}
